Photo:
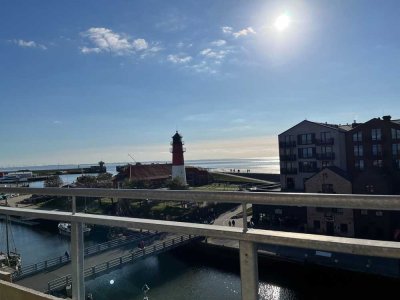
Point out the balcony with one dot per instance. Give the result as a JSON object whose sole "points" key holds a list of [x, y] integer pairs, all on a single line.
{"points": [[309, 169], [288, 157], [287, 144], [325, 142], [326, 156], [248, 238], [288, 171]]}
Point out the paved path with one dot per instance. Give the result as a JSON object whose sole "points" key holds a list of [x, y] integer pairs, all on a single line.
{"points": [[39, 281], [223, 220]]}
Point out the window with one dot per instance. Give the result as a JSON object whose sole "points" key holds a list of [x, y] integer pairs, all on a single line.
{"points": [[377, 150], [377, 163], [308, 166], [397, 164], [327, 188], [278, 211], [357, 136], [325, 163], [317, 224], [364, 212], [395, 149], [379, 213], [376, 134], [358, 150], [395, 134], [370, 189], [344, 228], [326, 149], [306, 152], [359, 164], [306, 139], [325, 136]]}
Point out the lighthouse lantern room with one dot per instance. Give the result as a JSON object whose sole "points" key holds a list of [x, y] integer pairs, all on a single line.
{"points": [[178, 164]]}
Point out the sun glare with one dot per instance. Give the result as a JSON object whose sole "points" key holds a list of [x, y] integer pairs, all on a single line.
{"points": [[282, 22]]}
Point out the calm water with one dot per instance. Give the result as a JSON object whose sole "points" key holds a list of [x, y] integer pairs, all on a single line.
{"points": [[193, 274]]}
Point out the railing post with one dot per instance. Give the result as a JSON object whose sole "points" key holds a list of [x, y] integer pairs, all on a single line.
{"points": [[244, 216], [248, 270], [77, 257]]}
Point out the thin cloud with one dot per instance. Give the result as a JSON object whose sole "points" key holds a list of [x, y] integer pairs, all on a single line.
{"points": [[243, 32], [179, 58], [218, 43], [105, 40], [227, 29], [210, 53], [29, 44]]}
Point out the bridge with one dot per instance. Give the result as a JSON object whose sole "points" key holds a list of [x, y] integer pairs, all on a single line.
{"points": [[94, 250], [248, 238]]}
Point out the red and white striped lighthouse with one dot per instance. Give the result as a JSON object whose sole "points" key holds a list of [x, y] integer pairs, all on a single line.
{"points": [[178, 164]]}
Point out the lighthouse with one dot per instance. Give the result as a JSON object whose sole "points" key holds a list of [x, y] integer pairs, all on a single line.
{"points": [[178, 164]]}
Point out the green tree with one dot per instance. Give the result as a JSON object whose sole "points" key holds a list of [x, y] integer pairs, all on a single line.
{"points": [[53, 181]]}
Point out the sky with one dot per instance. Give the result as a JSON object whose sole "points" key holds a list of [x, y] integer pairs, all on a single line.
{"points": [[83, 81]]}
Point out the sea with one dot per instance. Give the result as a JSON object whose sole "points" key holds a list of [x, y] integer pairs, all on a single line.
{"points": [[254, 165]]}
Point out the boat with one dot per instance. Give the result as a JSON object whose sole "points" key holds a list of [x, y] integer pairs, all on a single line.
{"points": [[65, 229], [14, 177], [11, 260]]}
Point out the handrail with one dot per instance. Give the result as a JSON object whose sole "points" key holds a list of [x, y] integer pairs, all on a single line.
{"points": [[380, 202], [302, 240]]}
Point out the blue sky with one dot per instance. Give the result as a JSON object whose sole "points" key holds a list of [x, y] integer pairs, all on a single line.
{"points": [[82, 81]]}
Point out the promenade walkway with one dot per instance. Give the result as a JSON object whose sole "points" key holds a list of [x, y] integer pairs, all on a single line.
{"points": [[40, 281]]}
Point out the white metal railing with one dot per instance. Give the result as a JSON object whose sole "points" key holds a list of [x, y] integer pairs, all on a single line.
{"points": [[248, 238]]}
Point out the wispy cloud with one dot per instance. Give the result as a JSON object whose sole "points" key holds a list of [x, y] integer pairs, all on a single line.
{"points": [[218, 43], [179, 58], [29, 44], [236, 34], [105, 40], [227, 29], [215, 54], [244, 32]]}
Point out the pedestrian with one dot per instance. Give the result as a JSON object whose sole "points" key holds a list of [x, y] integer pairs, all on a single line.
{"points": [[230, 224], [66, 254], [233, 222]]}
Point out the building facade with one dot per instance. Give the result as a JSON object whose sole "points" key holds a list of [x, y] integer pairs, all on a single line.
{"points": [[308, 147], [324, 220], [373, 152]]}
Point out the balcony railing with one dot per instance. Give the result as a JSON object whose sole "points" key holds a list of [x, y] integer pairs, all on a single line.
{"points": [[288, 157], [322, 142], [248, 238], [326, 156], [287, 144], [288, 171]]}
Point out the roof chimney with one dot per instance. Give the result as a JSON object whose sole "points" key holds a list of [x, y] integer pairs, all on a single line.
{"points": [[386, 118]]}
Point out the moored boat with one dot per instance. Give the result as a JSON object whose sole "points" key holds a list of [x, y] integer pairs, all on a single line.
{"points": [[65, 229]]}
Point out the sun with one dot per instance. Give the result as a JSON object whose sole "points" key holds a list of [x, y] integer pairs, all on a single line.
{"points": [[282, 22]]}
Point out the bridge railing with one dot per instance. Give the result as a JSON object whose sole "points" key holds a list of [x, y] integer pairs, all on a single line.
{"points": [[248, 238], [93, 271], [52, 263]]}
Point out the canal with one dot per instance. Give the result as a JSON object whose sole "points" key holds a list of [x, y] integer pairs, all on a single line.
{"points": [[192, 273]]}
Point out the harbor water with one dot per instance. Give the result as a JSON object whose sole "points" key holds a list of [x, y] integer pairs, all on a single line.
{"points": [[192, 273]]}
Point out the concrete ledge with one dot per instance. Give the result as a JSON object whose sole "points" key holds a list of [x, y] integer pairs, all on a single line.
{"points": [[10, 291]]}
